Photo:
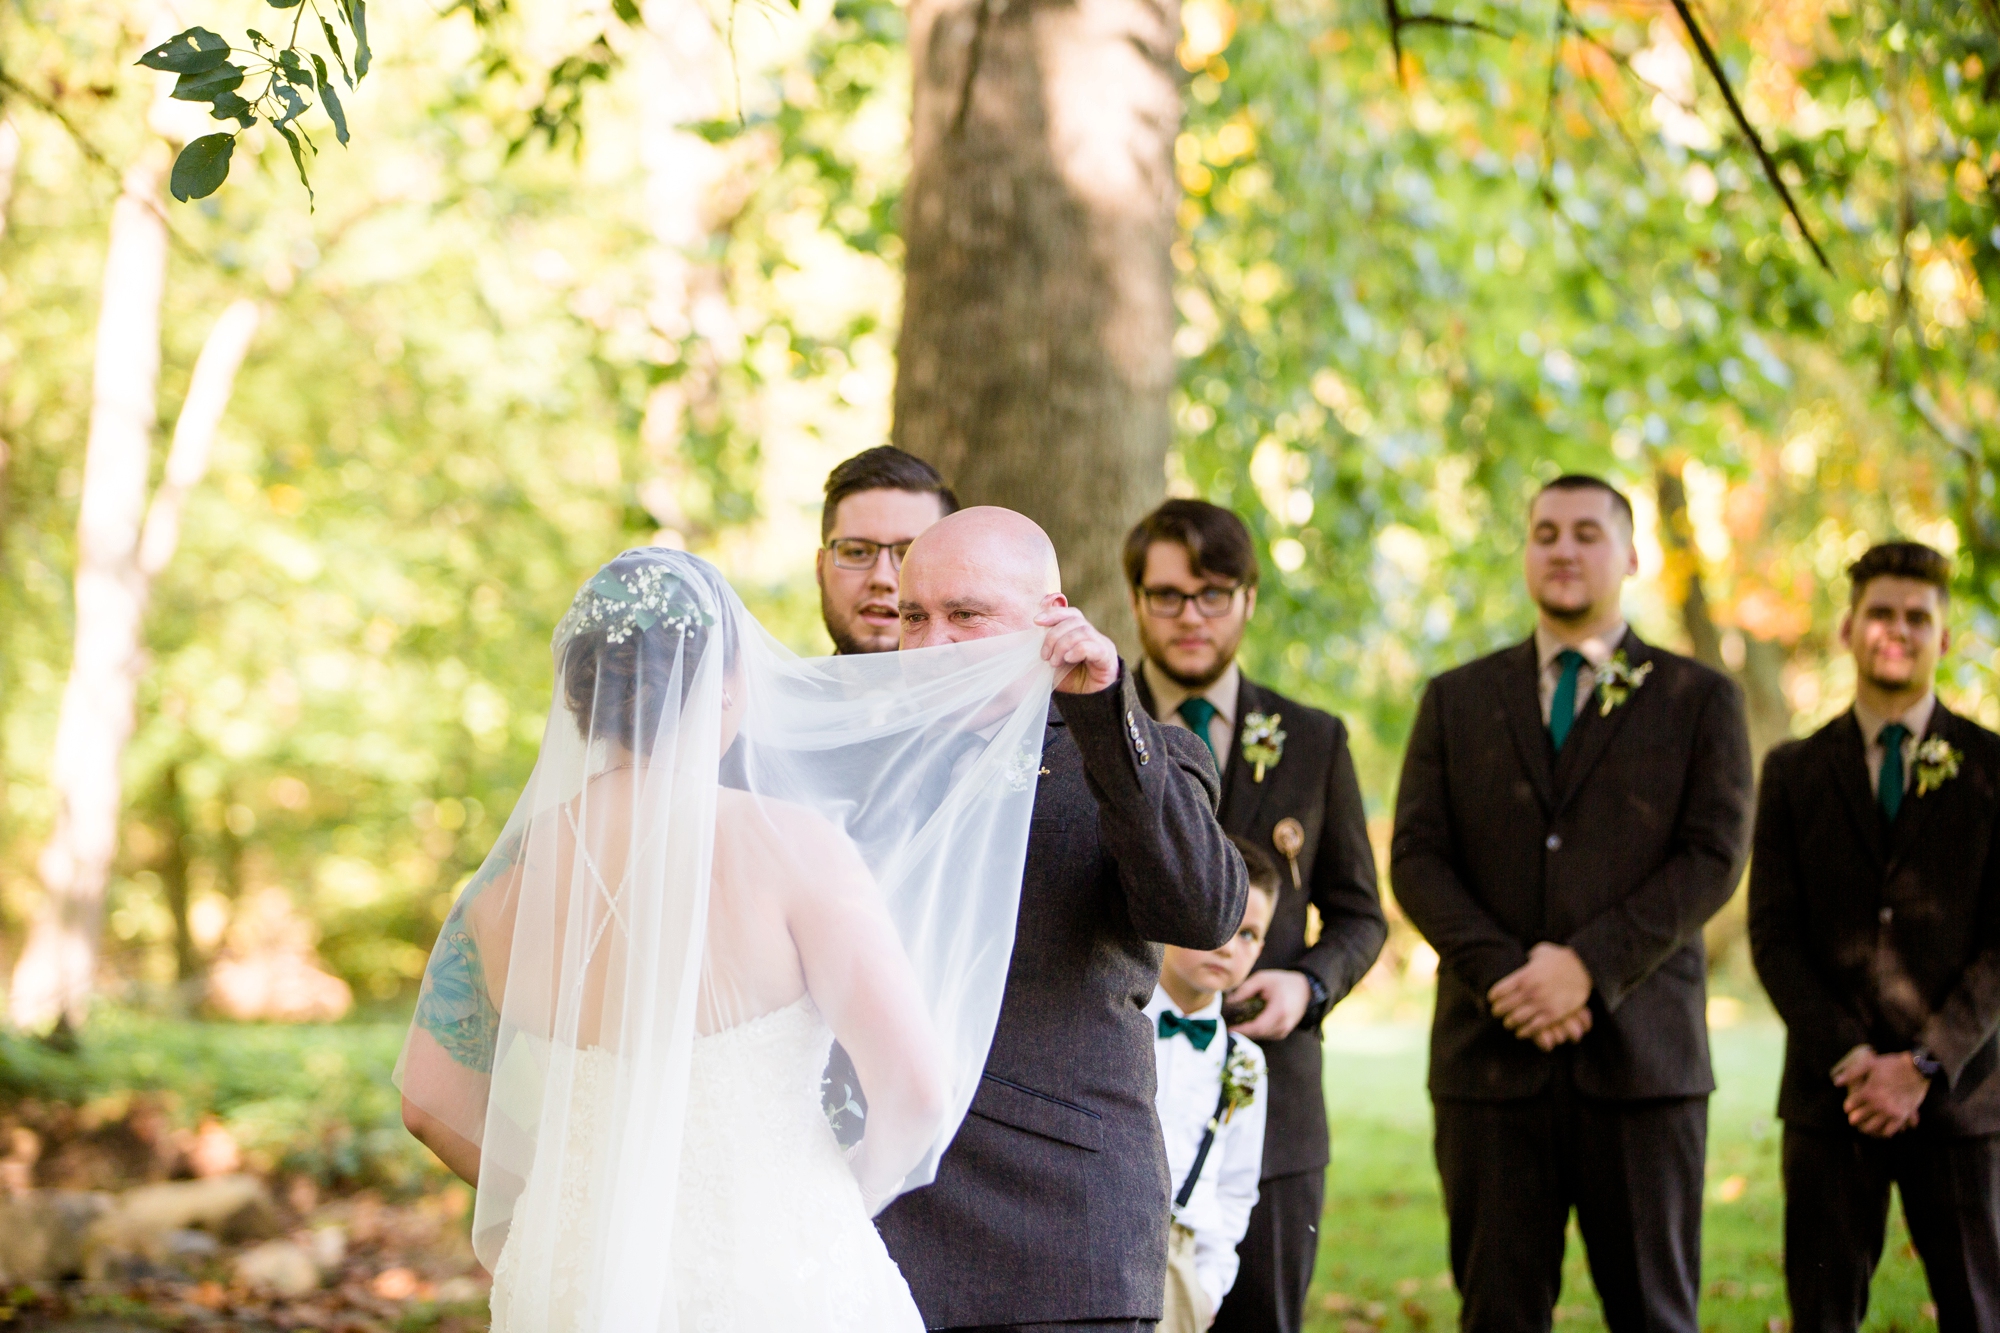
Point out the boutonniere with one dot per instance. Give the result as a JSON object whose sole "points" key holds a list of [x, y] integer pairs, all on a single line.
{"points": [[1239, 1080], [1617, 679], [1263, 743], [1937, 764]]}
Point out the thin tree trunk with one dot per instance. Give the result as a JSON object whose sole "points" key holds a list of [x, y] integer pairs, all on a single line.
{"points": [[174, 871], [1035, 358], [1766, 710], [121, 545], [52, 980]]}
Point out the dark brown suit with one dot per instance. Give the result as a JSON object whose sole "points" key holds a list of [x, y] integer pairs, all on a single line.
{"points": [[1621, 848], [1888, 934], [1051, 1203], [1314, 783]]}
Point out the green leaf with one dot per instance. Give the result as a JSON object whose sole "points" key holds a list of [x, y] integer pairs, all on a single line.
{"points": [[333, 40], [331, 101], [258, 39], [298, 158], [294, 68], [187, 52], [607, 584], [628, 10], [295, 106], [202, 167], [232, 106], [208, 84], [282, 4], [357, 19]]}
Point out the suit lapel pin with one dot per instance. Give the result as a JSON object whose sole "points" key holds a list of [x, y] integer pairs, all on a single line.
{"points": [[1937, 764], [1263, 743], [1289, 837]]}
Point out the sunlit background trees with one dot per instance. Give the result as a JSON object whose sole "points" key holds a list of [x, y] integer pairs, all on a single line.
{"points": [[293, 487], [586, 279]]}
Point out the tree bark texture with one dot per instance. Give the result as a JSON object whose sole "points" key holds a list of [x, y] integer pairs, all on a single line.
{"points": [[122, 543], [1035, 358]]}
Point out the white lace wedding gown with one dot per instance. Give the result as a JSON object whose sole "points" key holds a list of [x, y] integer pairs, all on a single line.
{"points": [[770, 1231]]}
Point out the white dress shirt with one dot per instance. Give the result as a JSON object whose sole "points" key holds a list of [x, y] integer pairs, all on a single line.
{"points": [[1168, 697], [1218, 1212], [1596, 650], [1916, 717]]}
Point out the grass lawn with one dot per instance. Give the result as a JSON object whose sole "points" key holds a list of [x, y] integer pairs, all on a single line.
{"points": [[1382, 1259]]}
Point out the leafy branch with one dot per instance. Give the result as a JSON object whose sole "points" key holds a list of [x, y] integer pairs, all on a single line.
{"points": [[294, 80]]}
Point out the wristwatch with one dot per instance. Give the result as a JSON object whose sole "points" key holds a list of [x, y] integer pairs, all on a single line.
{"points": [[1318, 1004], [1926, 1063]]}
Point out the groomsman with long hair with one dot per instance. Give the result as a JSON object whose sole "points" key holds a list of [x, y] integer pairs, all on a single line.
{"points": [[1875, 925], [1289, 788], [1572, 810]]}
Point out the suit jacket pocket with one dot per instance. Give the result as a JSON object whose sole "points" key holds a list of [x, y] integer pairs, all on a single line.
{"points": [[1020, 1107]]}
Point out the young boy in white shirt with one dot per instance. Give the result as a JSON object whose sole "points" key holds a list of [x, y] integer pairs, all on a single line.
{"points": [[1211, 1103]]}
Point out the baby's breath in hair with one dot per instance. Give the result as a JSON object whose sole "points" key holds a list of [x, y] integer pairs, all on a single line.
{"points": [[637, 600]]}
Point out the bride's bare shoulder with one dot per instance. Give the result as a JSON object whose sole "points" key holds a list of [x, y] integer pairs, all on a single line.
{"points": [[784, 828]]}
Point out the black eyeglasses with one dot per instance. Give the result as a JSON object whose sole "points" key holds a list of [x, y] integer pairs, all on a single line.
{"points": [[860, 553], [1213, 602]]}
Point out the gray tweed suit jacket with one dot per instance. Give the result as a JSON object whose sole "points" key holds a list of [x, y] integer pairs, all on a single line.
{"points": [[1052, 1202]]}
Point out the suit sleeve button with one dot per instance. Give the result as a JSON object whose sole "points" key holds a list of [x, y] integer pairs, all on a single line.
{"points": [[1886, 915], [1554, 842]]}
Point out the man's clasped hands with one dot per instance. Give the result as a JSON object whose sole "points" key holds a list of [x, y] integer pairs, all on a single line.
{"points": [[1546, 1000]]}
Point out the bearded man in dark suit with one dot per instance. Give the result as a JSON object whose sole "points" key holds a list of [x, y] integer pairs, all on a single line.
{"points": [[1288, 785], [1572, 810], [1875, 925]]}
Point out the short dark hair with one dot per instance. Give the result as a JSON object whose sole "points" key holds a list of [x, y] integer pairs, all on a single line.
{"points": [[1902, 560], [1583, 481], [1216, 541], [883, 468], [1262, 869]]}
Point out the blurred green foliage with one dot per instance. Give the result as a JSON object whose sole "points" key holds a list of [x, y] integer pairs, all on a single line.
{"points": [[1407, 294], [1410, 296], [312, 1101]]}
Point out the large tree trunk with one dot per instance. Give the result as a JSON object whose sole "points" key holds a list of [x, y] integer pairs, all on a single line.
{"points": [[1035, 358], [121, 545]]}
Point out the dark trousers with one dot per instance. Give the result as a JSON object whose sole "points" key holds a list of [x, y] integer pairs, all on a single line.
{"points": [[1837, 1207], [1512, 1171], [1276, 1257]]}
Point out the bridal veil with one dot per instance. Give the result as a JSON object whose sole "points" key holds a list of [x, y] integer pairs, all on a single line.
{"points": [[716, 829]]}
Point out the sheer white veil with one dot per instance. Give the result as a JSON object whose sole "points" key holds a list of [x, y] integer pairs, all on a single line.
{"points": [[716, 829]]}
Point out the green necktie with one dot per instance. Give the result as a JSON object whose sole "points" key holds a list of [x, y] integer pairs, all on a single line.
{"points": [[1562, 708], [1198, 712], [1199, 1031], [1889, 786]]}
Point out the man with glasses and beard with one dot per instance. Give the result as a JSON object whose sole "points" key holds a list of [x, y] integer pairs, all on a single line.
{"points": [[877, 502], [1288, 785]]}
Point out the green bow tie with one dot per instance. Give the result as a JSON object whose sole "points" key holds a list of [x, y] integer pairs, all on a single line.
{"points": [[1199, 1031]]}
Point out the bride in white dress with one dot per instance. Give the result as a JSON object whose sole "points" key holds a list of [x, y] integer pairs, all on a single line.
{"points": [[726, 858]]}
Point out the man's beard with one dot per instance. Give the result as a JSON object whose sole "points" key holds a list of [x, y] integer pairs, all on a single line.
{"points": [[1197, 682], [1566, 615], [845, 644]]}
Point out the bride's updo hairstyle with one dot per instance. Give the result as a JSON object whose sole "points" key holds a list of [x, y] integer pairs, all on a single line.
{"points": [[633, 640]]}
